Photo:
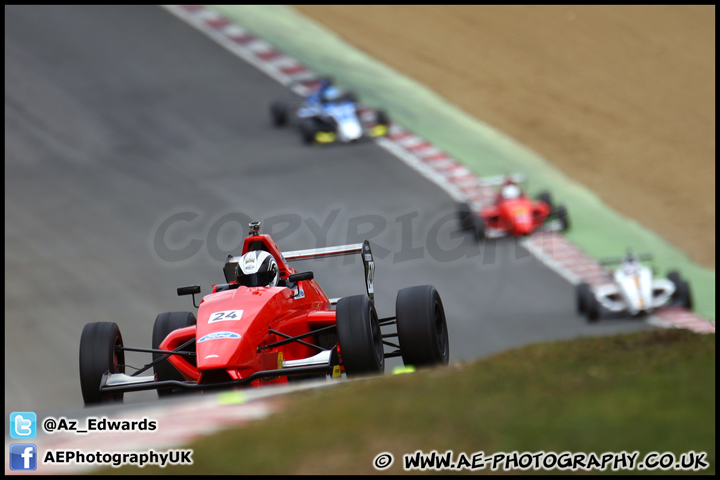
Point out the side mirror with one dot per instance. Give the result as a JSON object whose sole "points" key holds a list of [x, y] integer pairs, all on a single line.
{"points": [[297, 277], [292, 283], [189, 290]]}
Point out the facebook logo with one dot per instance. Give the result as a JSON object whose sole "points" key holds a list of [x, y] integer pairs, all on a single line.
{"points": [[23, 456], [23, 425]]}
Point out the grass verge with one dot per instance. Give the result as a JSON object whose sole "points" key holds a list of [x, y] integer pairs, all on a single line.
{"points": [[644, 392]]}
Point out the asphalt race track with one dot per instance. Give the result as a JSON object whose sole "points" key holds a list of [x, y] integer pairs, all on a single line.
{"points": [[136, 150]]}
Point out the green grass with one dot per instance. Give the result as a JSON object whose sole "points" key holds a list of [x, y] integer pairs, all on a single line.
{"points": [[645, 392]]}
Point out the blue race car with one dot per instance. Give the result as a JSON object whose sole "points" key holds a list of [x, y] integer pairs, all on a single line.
{"points": [[328, 115]]}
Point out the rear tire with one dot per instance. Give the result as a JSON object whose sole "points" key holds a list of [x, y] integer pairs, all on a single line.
{"points": [[545, 197], [674, 276], [381, 118], [562, 216], [279, 113], [359, 336], [421, 327], [164, 324], [99, 354]]}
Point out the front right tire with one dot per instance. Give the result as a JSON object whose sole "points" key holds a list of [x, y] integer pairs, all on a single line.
{"points": [[465, 216], [100, 351], [583, 293]]}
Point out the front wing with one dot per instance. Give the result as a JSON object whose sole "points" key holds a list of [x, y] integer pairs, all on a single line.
{"points": [[326, 362]]}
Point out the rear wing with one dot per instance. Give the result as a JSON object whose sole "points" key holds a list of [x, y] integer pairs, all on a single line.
{"points": [[362, 248], [498, 180], [642, 257]]}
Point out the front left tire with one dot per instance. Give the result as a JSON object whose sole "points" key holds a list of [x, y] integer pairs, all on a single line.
{"points": [[421, 327], [682, 295]]}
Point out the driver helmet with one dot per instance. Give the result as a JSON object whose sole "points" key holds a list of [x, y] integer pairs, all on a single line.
{"points": [[510, 191], [331, 94], [631, 261], [257, 268]]}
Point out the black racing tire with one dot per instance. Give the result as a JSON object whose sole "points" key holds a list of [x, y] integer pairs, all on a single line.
{"points": [[479, 228], [351, 96], [279, 113], [421, 327], [674, 276], [585, 296], [545, 197], [592, 309], [308, 129], [582, 292], [561, 214], [382, 118], [359, 336], [682, 295], [465, 216], [164, 324], [99, 353]]}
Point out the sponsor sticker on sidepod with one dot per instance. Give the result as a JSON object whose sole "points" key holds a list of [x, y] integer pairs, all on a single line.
{"points": [[218, 335]]}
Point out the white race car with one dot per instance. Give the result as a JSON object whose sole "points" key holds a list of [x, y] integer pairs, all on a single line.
{"points": [[632, 289]]}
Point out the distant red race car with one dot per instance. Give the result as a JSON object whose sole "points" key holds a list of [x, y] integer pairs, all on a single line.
{"points": [[512, 213], [268, 324]]}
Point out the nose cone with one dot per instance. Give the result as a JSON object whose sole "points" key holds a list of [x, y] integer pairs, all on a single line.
{"points": [[521, 218], [230, 324], [523, 226], [217, 349], [349, 129]]}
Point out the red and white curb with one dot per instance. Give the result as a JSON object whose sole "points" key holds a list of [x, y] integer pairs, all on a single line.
{"points": [[453, 177]]}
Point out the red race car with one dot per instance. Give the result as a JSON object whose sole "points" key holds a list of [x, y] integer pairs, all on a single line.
{"points": [[511, 213], [268, 324]]}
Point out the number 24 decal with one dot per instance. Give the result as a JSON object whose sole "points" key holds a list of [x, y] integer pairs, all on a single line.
{"points": [[226, 315]]}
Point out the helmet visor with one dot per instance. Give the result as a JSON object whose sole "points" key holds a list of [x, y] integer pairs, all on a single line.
{"points": [[260, 279]]}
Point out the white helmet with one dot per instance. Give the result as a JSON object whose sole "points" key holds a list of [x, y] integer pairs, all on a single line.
{"points": [[257, 268], [510, 191]]}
